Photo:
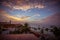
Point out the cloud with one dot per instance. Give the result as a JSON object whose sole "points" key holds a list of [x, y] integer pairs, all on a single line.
{"points": [[36, 14], [4, 16], [25, 17], [7, 4], [52, 19], [22, 4], [28, 17], [17, 18], [24, 7]]}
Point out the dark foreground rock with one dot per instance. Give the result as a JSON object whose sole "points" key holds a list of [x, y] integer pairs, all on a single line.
{"points": [[18, 37]]}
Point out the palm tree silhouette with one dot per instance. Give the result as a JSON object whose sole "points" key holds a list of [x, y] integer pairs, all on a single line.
{"points": [[47, 29], [26, 28]]}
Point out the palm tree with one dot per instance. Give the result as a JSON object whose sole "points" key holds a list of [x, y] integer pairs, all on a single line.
{"points": [[38, 28], [42, 31], [26, 24], [46, 29], [25, 28]]}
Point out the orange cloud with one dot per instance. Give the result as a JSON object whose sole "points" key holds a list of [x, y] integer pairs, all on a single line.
{"points": [[25, 17], [16, 18], [4, 15]]}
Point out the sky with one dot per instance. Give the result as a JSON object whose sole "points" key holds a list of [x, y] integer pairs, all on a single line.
{"points": [[28, 10]]}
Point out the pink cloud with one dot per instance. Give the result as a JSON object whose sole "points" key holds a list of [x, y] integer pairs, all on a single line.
{"points": [[22, 5]]}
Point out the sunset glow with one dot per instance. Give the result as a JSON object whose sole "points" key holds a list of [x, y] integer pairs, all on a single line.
{"points": [[28, 10]]}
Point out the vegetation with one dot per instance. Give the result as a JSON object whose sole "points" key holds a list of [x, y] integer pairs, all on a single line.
{"points": [[56, 32], [21, 29], [25, 29], [0, 29], [54, 29]]}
